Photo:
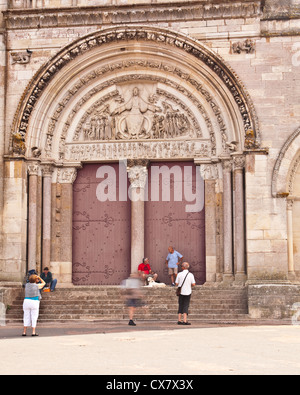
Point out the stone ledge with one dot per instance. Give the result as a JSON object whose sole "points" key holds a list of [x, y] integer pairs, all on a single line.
{"points": [[138, 13]]}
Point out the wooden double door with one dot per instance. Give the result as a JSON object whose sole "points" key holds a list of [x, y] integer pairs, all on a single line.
{"points": [[102, 224]]}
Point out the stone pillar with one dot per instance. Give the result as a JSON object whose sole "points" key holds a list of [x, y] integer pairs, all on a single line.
{"points": [[209, 172], [63, 268], [13, 257], [33, 169], [137, 173], [239, 217], [291, 263], [227, 220], [47, 193]]}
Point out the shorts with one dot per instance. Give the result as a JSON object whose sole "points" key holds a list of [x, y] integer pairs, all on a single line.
{"points": [[134, 303], [173, 270], [184, 304]]}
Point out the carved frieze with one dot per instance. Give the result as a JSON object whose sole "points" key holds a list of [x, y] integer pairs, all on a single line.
{"points": [[133, 150], [180, 11]]}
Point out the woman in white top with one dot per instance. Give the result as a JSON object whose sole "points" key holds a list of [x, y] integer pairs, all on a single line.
{"points": [[31, 303]]}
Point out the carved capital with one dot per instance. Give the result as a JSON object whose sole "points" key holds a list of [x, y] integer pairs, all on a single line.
{"points": [[227, 165], [33, 169], [137, 173], [47, 170], [209, 171], [66, 175], [239, 162]]}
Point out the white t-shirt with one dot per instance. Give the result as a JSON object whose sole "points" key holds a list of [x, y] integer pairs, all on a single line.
{"points": [[187, 286]]}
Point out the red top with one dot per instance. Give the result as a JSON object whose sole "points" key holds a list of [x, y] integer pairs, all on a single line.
{"points": [[144, 268]]}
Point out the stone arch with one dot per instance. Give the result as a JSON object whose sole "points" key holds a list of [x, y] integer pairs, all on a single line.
{"points": [[285, 181], [286, 166], [188, 104], [186, 69]]}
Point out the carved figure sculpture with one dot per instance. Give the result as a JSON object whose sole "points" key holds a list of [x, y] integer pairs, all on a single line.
{"points": [[135, 124]]}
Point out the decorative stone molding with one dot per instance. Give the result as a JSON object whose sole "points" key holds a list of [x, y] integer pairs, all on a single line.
{"points": [[86, 152], [134, 33], [139, 13]]}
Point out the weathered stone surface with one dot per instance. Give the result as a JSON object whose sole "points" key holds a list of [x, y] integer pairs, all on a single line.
{"points": [[227, 72]]}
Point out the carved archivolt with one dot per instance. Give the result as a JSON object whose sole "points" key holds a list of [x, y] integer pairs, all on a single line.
{"points": [[145, 34]]}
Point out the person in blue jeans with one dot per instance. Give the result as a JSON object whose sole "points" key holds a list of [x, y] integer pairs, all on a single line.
{"points": [[173, 260], [47, 277]]}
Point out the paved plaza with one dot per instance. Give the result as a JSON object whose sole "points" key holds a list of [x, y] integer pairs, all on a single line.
{"points": [[151, 349]]}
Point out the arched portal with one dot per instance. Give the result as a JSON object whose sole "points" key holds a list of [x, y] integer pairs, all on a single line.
{"points": [[138, 94], [285, 184]]}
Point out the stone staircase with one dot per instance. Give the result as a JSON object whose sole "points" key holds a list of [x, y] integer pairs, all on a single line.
{"points": [[223, 305]]}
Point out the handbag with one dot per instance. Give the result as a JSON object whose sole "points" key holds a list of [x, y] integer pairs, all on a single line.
{"points": [[178, 290]]}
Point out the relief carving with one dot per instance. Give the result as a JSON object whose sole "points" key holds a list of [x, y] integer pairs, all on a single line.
{"points": [[98, 39], [139, 118]]}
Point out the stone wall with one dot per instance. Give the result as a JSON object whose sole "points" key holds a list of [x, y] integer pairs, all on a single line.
{"points": [[261, 47], [274, 301]]}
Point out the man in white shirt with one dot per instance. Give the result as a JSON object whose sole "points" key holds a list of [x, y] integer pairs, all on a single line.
{"points": [[186, 280]]}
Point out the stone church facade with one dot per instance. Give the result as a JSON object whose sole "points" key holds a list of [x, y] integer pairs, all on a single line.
{"points": [[212, 85]]}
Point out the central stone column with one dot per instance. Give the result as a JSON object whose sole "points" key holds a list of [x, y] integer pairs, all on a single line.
{"points": [[137, 174]]}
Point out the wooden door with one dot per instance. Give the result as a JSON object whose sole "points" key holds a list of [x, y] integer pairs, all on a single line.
{"points": [[101, 230], [168, 222]]}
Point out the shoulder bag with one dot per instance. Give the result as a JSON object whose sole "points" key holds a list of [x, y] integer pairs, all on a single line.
{"points": [[178, 290]]}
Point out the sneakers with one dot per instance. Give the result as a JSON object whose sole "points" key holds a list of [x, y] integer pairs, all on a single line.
{"points": [[131, 323], [183, 323]]}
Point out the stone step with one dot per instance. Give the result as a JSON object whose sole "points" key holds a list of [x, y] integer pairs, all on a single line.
{"points": [[213, 318], [107, 303]]}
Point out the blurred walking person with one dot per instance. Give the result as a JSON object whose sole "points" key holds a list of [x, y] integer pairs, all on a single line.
{"points": [[133, 295]]}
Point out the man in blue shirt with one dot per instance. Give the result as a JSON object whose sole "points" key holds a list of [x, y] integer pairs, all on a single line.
{"points": [[174, 259]]}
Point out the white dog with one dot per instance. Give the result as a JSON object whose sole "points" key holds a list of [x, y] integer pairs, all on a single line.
{"points": [[153, 284]]}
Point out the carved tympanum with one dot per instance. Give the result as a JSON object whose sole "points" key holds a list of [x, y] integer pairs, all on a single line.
{"points": [[138, 117]]}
